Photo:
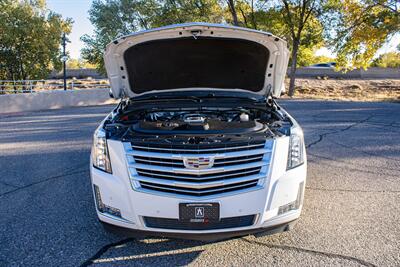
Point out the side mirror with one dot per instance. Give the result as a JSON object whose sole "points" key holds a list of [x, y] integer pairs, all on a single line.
{"points": [[110, 93]]}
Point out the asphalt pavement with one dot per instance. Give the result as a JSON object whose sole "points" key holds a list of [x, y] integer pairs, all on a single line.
{"points": [[351, 214]]}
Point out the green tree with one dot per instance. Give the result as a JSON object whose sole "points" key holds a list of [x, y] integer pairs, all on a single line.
{"points": [[360, 27], [297, 21], [311, 39], [387, 60], [233, 12], [243, 12], [114, 18], [30, 37], [299, 17], [74, 63], [181, 11]]}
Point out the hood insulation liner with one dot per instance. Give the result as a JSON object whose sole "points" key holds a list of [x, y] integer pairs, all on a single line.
{"points": [[220, 63]]}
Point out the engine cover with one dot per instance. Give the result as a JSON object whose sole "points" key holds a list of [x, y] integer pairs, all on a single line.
{"points": [[209, 126]]}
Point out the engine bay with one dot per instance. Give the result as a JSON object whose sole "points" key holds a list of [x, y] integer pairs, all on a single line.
{"points": [[196, 121], [207, 121]]}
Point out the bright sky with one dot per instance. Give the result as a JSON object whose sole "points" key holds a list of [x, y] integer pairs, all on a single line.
{"points": [[78, 11], [388, 47]]}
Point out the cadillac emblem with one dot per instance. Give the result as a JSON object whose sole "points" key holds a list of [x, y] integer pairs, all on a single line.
{"points": [[198, 163]]}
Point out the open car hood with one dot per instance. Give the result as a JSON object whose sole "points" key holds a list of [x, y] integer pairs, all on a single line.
{"points": [[196, 56]]}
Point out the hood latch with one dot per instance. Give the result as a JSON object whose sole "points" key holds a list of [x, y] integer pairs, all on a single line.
{"points": [[195, 33]]}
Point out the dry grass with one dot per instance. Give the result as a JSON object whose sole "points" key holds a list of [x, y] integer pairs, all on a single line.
{"points": [[332, 89], [9, 87], [350, 90]]}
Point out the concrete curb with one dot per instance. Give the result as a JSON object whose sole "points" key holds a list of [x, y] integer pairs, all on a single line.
{"points": [[53, 100]]}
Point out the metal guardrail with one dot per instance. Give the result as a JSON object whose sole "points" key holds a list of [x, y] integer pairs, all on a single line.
{"points": [[33, 86]]}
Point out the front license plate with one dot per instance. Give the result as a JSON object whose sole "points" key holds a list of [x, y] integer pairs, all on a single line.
{"points": [[199, 212]]}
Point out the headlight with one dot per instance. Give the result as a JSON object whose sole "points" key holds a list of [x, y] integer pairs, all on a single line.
{"points": [[100, 157], [296, 148]]}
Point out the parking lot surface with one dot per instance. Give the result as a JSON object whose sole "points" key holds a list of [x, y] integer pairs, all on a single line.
{"points": [[351, 211]]}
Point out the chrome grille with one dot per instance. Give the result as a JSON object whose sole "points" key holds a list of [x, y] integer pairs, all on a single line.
{"points": [[198, 177], [197, 191], [196, 149], [161, 169], [179, 163]]}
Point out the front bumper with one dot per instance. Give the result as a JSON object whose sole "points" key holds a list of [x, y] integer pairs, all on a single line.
{"points": [[264, 203], [128, 232]]}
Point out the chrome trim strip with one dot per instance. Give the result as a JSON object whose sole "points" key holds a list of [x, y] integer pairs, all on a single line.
{"points": [[181, 156], [196, 178], [199, 149], [199, 185], [115, 217], [259, 157], [159, 162], [180, 190], [198, 171]]}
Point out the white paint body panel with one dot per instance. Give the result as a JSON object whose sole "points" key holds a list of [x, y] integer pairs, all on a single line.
{"points": [[116, 67], [277, 187], [280, 187]]}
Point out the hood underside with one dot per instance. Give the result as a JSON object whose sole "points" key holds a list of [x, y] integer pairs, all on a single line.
{"points": [[196, 57]]}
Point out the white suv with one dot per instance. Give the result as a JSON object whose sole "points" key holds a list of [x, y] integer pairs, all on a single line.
{"points": [[197, 147]]}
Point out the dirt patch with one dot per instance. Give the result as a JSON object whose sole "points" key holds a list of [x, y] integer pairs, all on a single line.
{"points": [[351, 90]]}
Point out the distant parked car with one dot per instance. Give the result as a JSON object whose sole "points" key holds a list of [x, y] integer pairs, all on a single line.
{"points": [[330, 65]]}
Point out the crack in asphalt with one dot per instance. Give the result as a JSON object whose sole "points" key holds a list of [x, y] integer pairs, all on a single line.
{"points": [[104, 249], [112, 245], [42, 181], [382, 175], [311, 251], [393, 124], [363, 151], [352, 190], [347, 162], [321, 136], [7, 184], [66, 173], [350, 167]]}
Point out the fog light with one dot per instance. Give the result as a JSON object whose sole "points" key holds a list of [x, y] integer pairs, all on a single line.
{"points": [[288, 207], [295, 204], [103, 208]]}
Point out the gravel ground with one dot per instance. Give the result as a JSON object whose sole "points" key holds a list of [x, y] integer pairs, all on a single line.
{"points": [[348, 89], [350, 218]]}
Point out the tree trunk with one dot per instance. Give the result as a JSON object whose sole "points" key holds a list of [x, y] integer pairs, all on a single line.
{"points": [[253, 17], [232, 8], [293, 67], [244, 18]]}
